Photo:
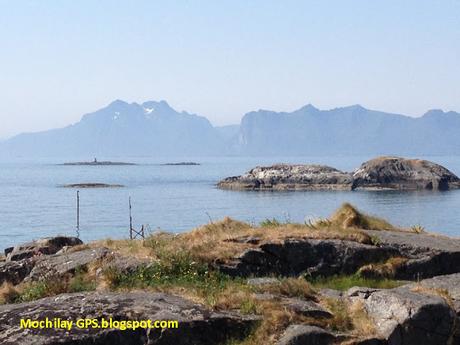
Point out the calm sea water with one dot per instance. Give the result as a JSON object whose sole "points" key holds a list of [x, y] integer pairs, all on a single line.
{"points": [[178, 198]]}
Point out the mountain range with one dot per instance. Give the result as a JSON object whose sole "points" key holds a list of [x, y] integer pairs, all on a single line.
{"points": [[156, 129]]}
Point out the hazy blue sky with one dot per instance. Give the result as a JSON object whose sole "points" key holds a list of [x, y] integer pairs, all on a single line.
{"points": [[220, 59]]}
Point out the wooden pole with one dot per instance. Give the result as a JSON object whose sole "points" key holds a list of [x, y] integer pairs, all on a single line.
{"points": [[130, 221], [78, 213]]}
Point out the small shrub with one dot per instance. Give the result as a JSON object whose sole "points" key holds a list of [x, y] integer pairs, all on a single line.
{"points": [[418, 229], [268, 223], [33, 291], [81, 282]]}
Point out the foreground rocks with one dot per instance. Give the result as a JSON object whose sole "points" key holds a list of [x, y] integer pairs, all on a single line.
{"points": [[420, 313], [306, 334], [312, 257], [422, 256], [403, 316], [197, 325], [46, 246], [423, 312], [379, 173], [427, 255]]}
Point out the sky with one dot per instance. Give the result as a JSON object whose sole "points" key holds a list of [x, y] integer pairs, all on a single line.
{"points": [[221, 59]]}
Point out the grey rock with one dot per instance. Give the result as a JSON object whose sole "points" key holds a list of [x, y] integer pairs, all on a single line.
{"points": [[429, 255], [8, 250], [61, 264], [450, 284], [301, 306], [306, 308], [401, 173], [306, 334], [197, 325], [406, 317], [290, 177], [14, 272], [330, 293], [312, 257], [361, 292], [43, 246], [125, 264], [262, 281]]}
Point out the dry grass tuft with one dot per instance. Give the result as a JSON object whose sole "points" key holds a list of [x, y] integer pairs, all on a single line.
{"points": [[275, 319], [8, 293], [350, 317], [363, 325], [290, 287], [347, 216], [386, 270]]}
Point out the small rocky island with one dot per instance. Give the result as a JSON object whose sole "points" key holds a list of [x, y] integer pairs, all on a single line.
{"points": [[183, 163], [350, 279], [92, 185], [290, 177], [95, 162], [382, 173]]}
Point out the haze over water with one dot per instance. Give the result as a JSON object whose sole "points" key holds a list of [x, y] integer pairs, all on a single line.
{"points": [[179, 198]]}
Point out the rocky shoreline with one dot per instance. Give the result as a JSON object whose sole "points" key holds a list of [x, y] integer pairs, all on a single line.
{"points": [[233, 283], [382, 173]]}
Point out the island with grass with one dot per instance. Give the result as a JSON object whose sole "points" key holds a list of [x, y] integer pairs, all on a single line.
{"points": [[348, 279]]}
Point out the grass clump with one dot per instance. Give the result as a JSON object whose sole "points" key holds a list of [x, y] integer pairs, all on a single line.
{"points": [[266, 223], [8, 293], [289, 287], [350, 317], [418, 229], [54, 285], [344, 282], [347, 216], [178, 274], [386, 270]]}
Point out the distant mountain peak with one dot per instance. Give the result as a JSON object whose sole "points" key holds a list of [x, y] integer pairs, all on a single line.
{"points": [[356, 107], [309, 108], [117, 103], [434, 112]]}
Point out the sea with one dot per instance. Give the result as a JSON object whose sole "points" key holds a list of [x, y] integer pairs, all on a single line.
{"points": [[177, 198]]}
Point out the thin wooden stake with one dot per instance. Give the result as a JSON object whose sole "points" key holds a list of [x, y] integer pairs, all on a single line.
{"points": [[78, 214], [130, 221]]}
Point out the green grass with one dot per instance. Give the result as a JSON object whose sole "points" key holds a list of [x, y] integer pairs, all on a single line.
{"points": [[55, 286], [344, 282], [180, 272]]}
